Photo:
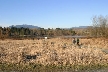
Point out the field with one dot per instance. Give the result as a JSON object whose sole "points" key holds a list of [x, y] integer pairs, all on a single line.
{"points": [[55, 51]]}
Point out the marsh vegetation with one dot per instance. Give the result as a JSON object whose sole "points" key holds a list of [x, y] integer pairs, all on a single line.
{"points": [[53, 53]]}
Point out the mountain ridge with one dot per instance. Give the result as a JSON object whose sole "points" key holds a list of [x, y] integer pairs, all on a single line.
{"points": [[24, 26]]}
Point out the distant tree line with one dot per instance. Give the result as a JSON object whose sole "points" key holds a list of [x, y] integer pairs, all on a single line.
{"points": [[14, 32]]}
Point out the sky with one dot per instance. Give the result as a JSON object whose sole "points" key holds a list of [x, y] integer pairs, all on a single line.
{"points": [[51, 13]]}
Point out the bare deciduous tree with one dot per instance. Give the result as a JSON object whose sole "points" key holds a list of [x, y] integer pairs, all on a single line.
{"points": [[100, 26]]}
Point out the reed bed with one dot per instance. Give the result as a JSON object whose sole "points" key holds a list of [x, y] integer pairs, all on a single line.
{"points": [[56, 52]]}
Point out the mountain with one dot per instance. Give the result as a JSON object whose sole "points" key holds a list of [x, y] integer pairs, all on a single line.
{"points": [[24, 26], [81, 27]]}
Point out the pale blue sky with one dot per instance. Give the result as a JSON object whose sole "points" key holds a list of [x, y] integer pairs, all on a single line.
{"points": [[51, 13]]}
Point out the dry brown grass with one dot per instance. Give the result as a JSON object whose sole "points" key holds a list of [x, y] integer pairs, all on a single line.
{"points": [[56, 51]]}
